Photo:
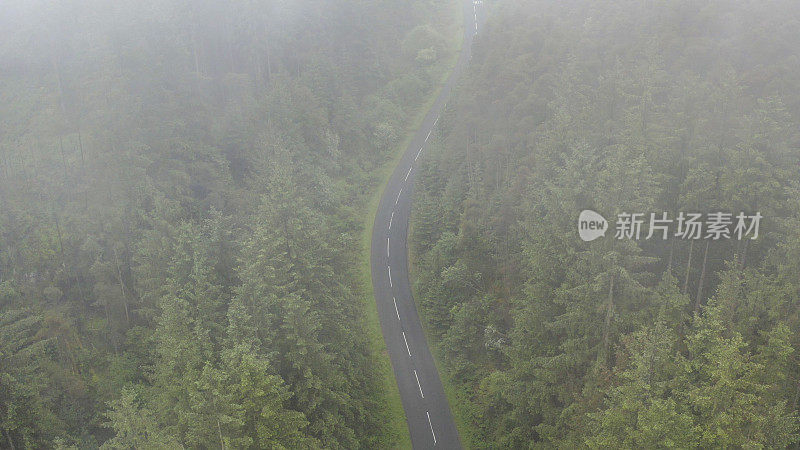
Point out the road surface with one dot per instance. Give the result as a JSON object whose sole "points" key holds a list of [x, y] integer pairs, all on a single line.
{"points": [[428, 415]]}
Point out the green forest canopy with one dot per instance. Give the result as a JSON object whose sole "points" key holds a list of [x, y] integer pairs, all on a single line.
{"points": [[182, 186], [618, 106]]}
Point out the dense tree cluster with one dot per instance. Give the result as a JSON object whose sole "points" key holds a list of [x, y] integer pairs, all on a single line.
{"points": [[618, 106], [182, 187]]}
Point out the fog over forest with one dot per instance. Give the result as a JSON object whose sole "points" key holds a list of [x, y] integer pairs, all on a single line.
{"points": [[189, 192]]}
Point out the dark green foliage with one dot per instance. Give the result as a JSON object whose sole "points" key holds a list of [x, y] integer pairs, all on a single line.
{"points": [[182, 185], [618, 106]]}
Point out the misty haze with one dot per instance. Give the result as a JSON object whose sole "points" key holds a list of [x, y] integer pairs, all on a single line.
{"points": [[391, 224]]}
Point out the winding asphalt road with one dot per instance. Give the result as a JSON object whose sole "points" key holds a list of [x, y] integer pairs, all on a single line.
{"points": [[428, 415]]}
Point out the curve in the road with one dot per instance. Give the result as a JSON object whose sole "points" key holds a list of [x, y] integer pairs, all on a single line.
{"points": [[430, 421]]}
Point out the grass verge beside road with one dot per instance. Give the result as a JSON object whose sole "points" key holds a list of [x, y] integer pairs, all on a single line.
{"points": [[394, 405]]}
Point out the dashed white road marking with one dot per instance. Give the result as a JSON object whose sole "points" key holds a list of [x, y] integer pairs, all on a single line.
{"points": [[398, 196], [390, 220], [397, 311], [436, 121], [387, 247], [390, 275], [418, 384], [408, 349], [409, 172], [428, 136], [418, 152], [431, 424]]}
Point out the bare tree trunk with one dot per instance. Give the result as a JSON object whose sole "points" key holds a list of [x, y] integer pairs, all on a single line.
{"points": [[194, 52], [744, 256], [57, 70], [122, 287], [287, 236], [219, 430], [83, 169], [702, 280], [259, 70], [60, 240], [669, 258], [269, 62], [269, 67], [651, 371], [63, 158], [108, 316], [609, 312], [688, 268], [80, 147]]}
